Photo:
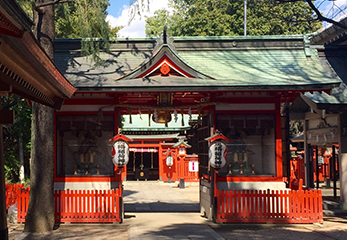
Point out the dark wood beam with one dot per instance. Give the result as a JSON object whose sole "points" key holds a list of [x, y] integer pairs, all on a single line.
{"points": [[5, 88], [6, 116]]}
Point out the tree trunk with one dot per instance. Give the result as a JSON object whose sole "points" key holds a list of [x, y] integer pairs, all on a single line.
{"points": [[3, 219], [40, 214]]}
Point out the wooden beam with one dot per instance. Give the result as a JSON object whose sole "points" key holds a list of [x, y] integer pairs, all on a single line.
{"points": [[5, 88], [6, 116], [311, 104], [297, 116], [310, 116]]}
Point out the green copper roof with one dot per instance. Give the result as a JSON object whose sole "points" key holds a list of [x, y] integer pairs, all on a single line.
{"points": [[231, 63], [337, 96]]}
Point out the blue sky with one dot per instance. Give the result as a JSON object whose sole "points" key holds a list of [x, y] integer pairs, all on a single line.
{"points": [[119, 15], [116, 7]]}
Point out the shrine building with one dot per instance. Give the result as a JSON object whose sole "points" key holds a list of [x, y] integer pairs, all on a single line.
{"points": [[235, 87]]}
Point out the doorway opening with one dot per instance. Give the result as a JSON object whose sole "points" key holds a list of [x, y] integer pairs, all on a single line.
{"points": [[143, 165]]}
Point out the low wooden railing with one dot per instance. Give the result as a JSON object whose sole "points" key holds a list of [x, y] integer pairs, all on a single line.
{"points": [[80, 206], [11, 192], [23, 203], [260, 206], [189, 176]]}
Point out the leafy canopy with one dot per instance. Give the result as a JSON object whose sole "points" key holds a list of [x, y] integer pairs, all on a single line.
{"points": [[220, 17], [80, 19]]}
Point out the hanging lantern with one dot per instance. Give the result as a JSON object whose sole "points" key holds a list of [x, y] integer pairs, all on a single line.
{"points": [[120, 150], [169, 160], [217, 152], [120, 153], [159, 116]]}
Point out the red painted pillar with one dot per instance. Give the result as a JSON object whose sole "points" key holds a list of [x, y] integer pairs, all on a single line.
{"points": [[160, 163]]}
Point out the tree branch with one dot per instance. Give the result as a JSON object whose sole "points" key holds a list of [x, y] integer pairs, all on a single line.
{"points": [[38, 5], [319, 15], [322, 18]]}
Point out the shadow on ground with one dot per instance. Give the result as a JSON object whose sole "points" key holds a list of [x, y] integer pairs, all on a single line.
{"points": [[162, 207], [84, 231], [245, 232]]}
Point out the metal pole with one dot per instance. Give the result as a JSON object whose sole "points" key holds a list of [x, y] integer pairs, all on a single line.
{"points": [[3, 219], [245, 18]]}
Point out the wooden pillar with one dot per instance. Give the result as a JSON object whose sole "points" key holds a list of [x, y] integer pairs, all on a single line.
{"points": [[343, 161], [333, 163], [160, 162], [317, 169], [308, 159]]}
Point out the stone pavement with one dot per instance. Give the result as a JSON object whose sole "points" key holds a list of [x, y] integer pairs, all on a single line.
{"points": [[154, 197], [164, 211]]}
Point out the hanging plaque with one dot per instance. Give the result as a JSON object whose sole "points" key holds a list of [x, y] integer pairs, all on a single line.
{"points": [[217, 154], [120, 153]]}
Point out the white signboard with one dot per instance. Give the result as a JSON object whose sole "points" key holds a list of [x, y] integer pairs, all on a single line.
{"points": [[193, 166]]}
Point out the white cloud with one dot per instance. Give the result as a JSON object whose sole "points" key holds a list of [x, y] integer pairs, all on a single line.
{"points": [[137, 26]]}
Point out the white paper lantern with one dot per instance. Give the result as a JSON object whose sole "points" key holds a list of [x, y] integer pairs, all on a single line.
{"points": [[217, 154], [120, 153], [169, 160]]}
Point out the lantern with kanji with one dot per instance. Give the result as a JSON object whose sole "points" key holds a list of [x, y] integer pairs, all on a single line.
{"points": [[218, 150], [120, 150]]}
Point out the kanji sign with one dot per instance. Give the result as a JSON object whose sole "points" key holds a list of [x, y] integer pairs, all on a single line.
{"points": [[193, 166]]}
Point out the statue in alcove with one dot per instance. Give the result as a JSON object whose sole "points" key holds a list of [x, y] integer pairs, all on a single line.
{"points": [[87, 150], [238, 160]]}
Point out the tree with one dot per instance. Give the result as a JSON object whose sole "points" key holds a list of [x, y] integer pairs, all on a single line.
{"points": [[220, 17], [334, 10], [16, 137], [89, 24]]}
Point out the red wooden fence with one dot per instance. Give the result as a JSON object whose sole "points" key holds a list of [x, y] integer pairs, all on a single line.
{"points": [[80, 206], [23, 203], [288, 206], [184, 169], [11, 192]]}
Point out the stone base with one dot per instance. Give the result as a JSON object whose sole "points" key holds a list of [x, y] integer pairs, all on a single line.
{"points": [[251, 185]]}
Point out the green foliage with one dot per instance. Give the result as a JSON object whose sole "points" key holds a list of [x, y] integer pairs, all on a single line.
{"points": [[295, 128], [13, 132], [223, 18], [85, 19], [81, 19]]}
